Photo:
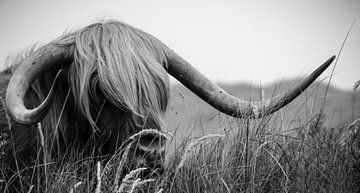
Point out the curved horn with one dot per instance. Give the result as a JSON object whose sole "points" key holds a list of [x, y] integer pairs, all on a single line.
{"points": [[48, 57], [226, 103]]}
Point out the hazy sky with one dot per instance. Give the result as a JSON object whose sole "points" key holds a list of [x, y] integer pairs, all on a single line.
{"points": [[227, 40]]}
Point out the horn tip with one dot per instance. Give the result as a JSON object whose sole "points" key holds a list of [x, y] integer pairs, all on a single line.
{"points": [[328, 62], [332, 58]]}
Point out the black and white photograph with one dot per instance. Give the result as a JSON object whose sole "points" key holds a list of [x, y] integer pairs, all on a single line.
{"points": [[192, 96]]}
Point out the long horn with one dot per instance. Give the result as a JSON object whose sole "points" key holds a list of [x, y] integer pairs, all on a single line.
{"points": [[228, 104], [48, 57]]}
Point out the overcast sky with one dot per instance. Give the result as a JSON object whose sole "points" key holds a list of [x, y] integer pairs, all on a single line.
{"points": [[227, 40]]}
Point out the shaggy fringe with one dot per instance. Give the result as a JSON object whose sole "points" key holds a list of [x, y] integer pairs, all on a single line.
{"points": [[125, 63]]}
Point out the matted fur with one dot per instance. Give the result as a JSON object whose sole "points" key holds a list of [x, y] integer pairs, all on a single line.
{"points": [[115, 86], [125, 63]]}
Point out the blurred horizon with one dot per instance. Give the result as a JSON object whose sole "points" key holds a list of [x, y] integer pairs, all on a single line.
{"points": [[229, 41]]}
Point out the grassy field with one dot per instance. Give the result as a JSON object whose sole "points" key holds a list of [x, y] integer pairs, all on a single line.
{"points": [[309, 146]]}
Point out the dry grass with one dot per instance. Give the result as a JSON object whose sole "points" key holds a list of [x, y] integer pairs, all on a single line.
{"points": [[253, 157]]}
